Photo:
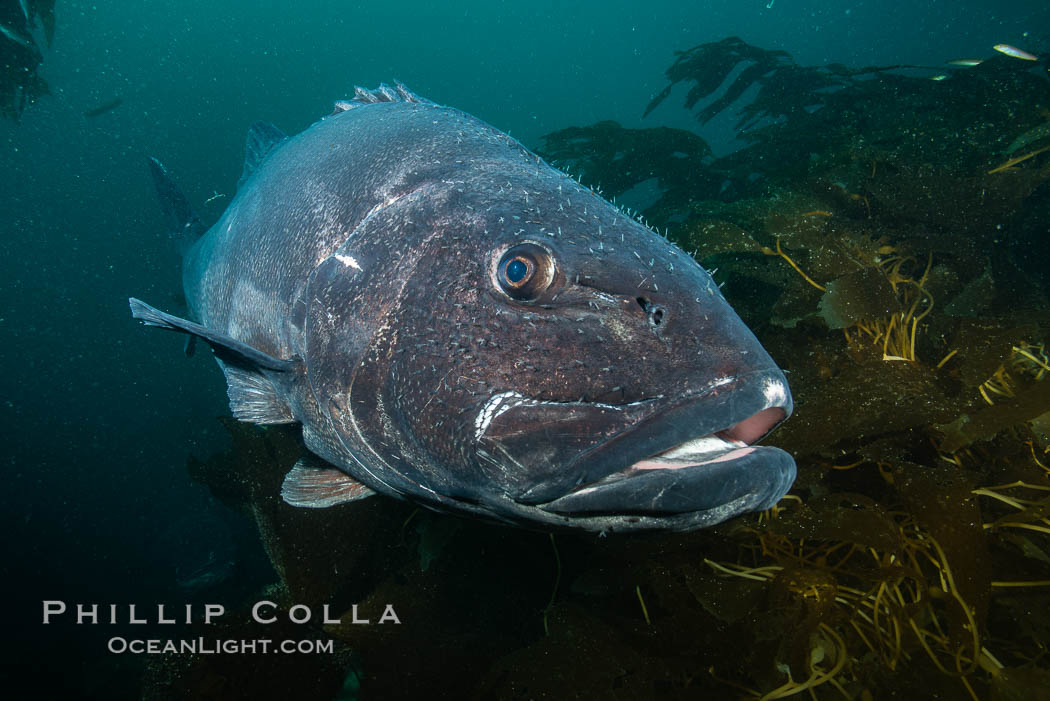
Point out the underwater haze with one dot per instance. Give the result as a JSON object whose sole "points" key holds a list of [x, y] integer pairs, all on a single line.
{"points": [[101, 418]]}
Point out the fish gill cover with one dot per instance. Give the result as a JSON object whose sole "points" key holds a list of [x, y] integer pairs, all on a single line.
{"points": [[889, 248]]}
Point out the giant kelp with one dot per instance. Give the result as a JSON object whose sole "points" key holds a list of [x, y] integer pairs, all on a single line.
{"points": [[676, 164], [895, 112], [20, 55], [785, 89], [888, 133]]}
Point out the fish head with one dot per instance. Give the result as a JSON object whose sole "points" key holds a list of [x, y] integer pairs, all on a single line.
{"points": [[543, 358]]}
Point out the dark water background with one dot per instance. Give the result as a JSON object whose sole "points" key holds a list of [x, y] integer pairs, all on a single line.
{"points": [[99, 416]]}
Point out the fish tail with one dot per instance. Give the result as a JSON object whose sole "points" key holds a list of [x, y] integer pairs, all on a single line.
{"points": [[184, 226]]}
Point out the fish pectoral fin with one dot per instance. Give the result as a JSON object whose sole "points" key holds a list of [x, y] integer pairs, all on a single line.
{"points": [[226, 348], [310, 486], [253, 396]]}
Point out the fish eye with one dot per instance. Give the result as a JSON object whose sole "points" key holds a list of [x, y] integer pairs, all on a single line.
{"points": [[525, 271]]}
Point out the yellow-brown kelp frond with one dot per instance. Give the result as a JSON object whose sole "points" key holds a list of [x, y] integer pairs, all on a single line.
{"points": [[1027, 363], [889, 598], [1019, 159], [1032, 513], [897, 331], [779, 252]]}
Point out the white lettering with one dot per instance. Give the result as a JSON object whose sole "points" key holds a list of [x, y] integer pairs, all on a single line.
{"points": [[257, 607], [354, 618], [53, 608], [213, 611], [83, 613], [389, 615], [292, 614]]}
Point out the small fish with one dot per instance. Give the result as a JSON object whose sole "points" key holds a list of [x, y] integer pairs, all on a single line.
{"points": [[938, 77], [966, 62], [1015, 52], [104, 107]]}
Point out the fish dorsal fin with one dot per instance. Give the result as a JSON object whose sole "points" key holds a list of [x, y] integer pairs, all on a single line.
{"points": [[314, 484], [263, 138], [384, 93], [184, 226]]}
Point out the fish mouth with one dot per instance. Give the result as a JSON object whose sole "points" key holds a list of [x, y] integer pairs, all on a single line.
{"points": [[716, 476], [663, 463]]}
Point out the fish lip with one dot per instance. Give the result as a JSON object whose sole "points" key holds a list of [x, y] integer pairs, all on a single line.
{"points": [[738, 411], [739, 395], [749, 479]]}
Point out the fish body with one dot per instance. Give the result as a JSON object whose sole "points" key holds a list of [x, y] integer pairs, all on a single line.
{"points": [[454, 322], [104, 107], [1015, 52], [968, 62]]}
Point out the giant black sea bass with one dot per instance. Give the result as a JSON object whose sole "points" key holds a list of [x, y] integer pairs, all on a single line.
{"points": [[453, 321]]}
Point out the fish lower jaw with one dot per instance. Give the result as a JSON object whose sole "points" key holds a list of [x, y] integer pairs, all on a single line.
{"points": [[721, 446], [707, 477], [699, 451]]}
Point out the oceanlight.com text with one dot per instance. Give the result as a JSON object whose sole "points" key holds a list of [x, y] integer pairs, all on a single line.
{"points": [[204, 646]]}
